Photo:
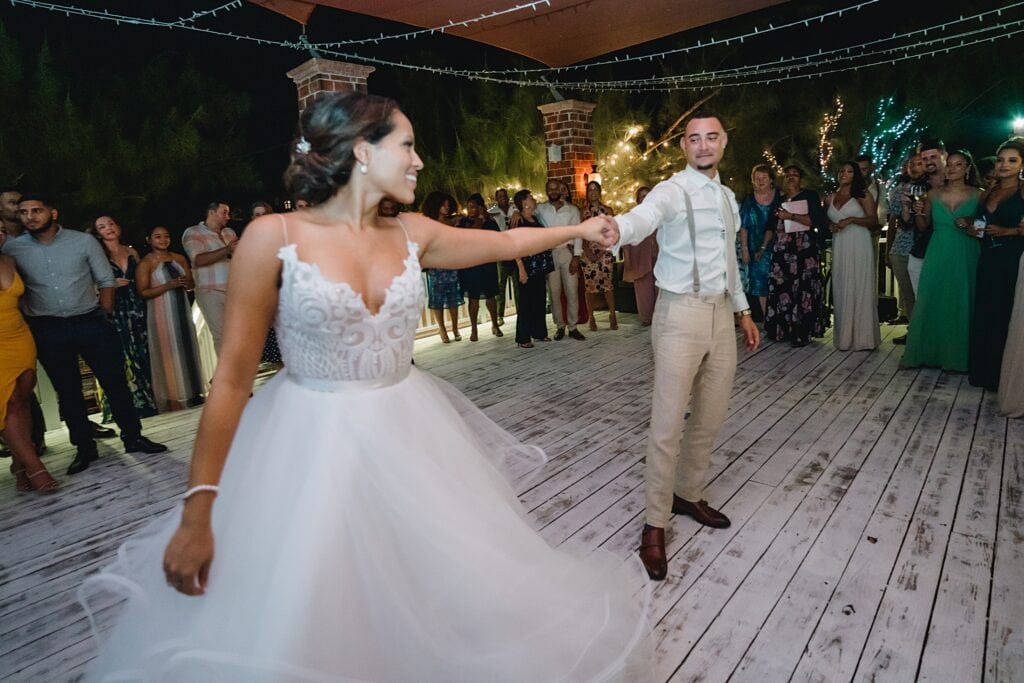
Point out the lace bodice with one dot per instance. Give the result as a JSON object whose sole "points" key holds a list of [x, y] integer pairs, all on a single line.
{"points": [[327, 335]]}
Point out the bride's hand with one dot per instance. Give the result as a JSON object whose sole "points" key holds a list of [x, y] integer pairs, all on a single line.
{"points": [[602, 230], [187, 559]]}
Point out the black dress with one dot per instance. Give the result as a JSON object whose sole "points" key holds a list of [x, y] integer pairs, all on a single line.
{"points": [[795, 305], [479, 282], [993, 294], [531, 321]]}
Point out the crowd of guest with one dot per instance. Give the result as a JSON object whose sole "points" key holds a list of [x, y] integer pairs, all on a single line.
{"points": [[66, 295], [954, 238], [550, 280]]}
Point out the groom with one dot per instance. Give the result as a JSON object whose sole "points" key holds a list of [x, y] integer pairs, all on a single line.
{"points": [[693, 333]]}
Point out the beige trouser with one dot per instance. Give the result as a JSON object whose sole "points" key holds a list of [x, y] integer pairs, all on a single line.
{"points": [[211, 303], [561, 279], [694, 352]]}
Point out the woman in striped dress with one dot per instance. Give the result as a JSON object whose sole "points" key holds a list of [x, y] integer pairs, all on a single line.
{"points": [[162, 279]]}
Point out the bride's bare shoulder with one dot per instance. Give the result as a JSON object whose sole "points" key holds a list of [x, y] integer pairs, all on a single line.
{"points": [[420, 228]]}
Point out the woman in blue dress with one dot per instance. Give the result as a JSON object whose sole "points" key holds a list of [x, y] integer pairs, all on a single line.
{"points": [[757, 231]]}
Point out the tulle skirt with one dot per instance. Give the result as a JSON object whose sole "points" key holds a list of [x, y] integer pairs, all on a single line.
{"points": [[369, 533]]}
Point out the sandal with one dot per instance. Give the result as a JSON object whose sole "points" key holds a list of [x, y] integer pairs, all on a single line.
{"points": [[526, 345], [457, 337], [496, 331], [47, 486], [22, 482]]}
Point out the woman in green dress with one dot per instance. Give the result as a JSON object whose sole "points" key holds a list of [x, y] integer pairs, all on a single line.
{"points": [[940, 335], [1002, 207]]}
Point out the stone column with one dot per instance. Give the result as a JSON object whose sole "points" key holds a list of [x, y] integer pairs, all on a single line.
{"points": [[569, 125], [320, 75]]}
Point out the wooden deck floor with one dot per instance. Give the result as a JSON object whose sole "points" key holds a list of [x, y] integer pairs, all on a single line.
{"points": [[878, 517]]}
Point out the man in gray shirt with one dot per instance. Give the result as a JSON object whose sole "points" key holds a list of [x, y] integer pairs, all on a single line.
{"points": [[62, 270]]}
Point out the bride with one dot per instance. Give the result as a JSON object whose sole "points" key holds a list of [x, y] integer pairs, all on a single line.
{"points": [[363, 528]]}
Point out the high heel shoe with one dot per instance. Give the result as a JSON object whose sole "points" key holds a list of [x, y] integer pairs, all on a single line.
{"points": [[48, 486], [21, 481]]}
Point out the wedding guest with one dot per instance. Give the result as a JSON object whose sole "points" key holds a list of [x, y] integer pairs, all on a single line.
{"points": [[129, 317], [209, 246], [794, 308], [501, 211], [17, 379], [557, 211], [853, 218], [1002, 209], [638, 269], [987, 172], [597, 263], [164, 278], [757, 231], [271, 353], [68, 301], [1011, 379], [901, 235], [940, 334], [531, 320], [9, 198], [388, 208], [443, 289], [933, 156], [480, 281]]}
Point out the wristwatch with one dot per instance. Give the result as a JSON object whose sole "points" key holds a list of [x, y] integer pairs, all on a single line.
{"points": [[744, 312]]}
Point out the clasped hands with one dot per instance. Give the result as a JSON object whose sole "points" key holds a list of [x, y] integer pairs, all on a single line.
{"points": [[602, 230]]}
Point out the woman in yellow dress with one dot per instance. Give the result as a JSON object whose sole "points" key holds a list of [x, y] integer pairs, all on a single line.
{"points": [[17, 379]]}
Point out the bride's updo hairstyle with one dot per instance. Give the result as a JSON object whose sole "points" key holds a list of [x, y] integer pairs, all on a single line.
{"points": [[322, 158]]}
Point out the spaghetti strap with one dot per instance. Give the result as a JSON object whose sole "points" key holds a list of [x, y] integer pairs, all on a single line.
{"points": [[402, 225], [284, 227]]}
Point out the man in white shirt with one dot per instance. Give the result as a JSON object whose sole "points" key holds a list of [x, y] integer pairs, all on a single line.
{"points": [[558, 211], [209, 246], [693, 334]]}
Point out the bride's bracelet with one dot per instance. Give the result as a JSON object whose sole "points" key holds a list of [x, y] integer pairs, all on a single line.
{"points": [[198, 489]]}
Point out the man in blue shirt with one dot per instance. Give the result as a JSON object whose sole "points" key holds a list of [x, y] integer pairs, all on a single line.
{"points": [[62, 270]]}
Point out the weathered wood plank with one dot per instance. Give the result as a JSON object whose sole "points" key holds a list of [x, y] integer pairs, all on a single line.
{"points": [[1004, 654]]}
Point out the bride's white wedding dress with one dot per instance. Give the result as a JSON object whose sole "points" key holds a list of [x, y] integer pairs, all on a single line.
{"points": [[365, 531]]}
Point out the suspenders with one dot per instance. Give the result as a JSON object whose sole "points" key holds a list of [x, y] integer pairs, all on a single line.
{"points": [[730, 241]]}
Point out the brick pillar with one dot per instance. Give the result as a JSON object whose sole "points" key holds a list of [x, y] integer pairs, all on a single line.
{"points": [[320, 75], [570, 124]]}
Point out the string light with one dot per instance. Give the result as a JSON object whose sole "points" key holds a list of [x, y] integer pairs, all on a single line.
{"points": [[755, 33], [181, 22], [772, 161], [829, 124], [883, 144], [811, 66], [820, 58], [436, 29], [1002, 34]]}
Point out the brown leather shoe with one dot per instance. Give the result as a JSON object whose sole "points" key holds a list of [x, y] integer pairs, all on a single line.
{"points": [[652, 552], [700, 511]]}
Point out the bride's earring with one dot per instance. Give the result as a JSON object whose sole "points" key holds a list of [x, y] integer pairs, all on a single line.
{"points": [[363, 168]]}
